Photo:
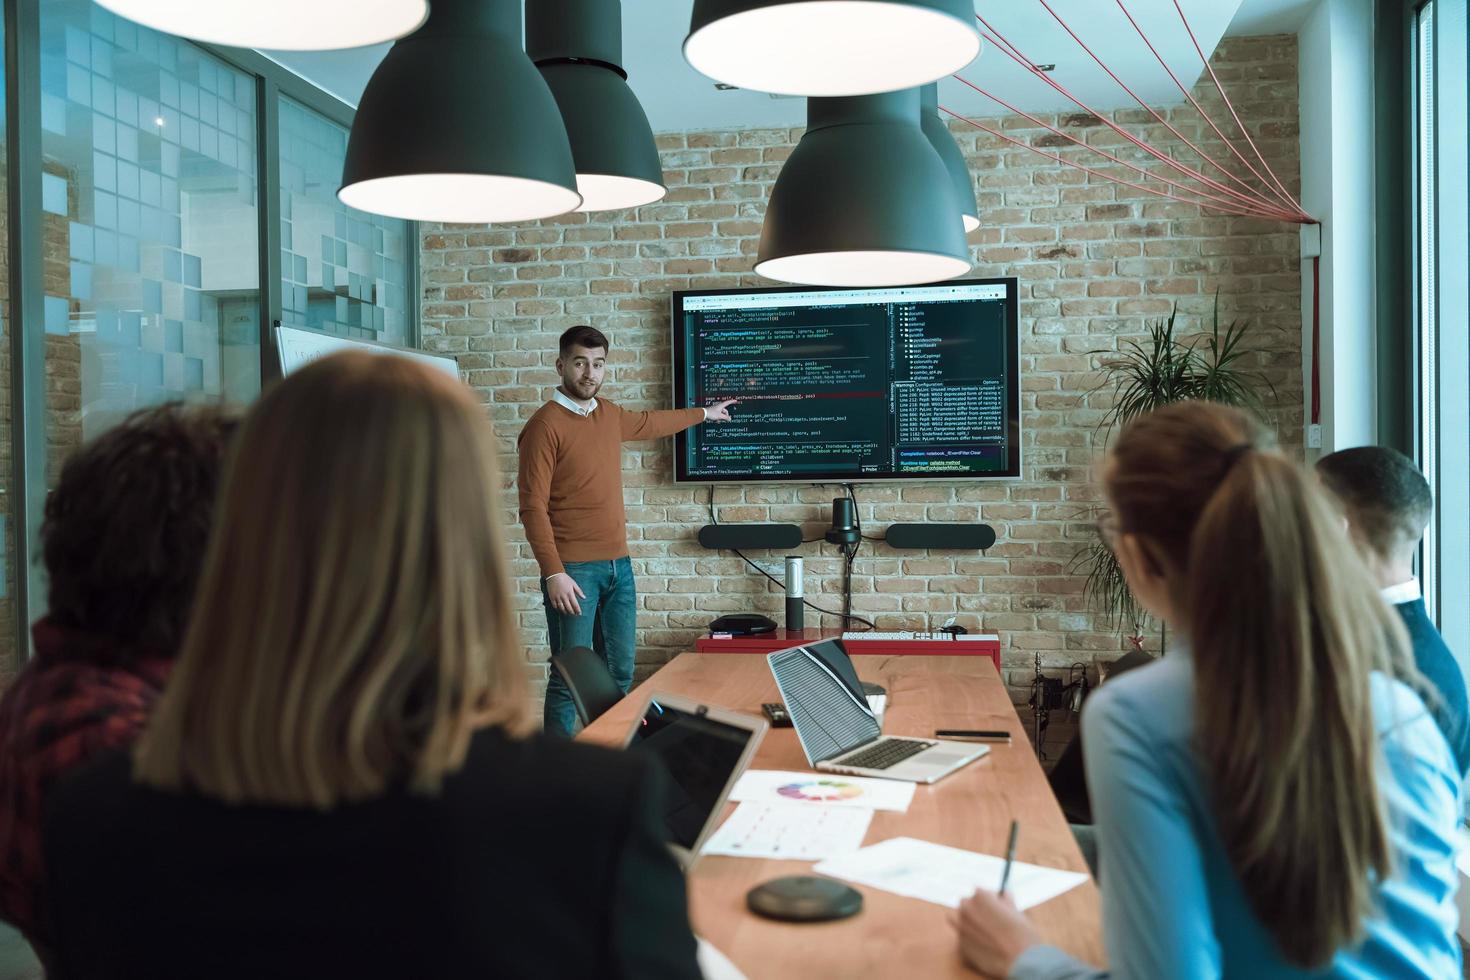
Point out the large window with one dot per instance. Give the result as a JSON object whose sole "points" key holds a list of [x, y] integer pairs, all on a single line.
{"points": [[151, 224], [1441, 292], [169, 201], [343, 271]]}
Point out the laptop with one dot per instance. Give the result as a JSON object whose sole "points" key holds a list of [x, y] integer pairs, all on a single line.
{"points": [[704, 750], [840, 733]]}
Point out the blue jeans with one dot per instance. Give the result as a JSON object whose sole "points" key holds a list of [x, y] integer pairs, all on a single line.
{"points": [[608, 624]]}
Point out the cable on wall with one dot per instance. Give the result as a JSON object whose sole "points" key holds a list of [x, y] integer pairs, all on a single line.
{"points": [[846, 615], [1270, 200], [1014, 53], [1229, 207]]}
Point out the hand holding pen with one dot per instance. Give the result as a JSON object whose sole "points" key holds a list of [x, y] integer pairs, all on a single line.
{"points": [[992, 931]]}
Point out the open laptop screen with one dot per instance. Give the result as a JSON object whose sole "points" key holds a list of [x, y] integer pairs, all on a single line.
{"points": [[824, 699], [700, 755]]}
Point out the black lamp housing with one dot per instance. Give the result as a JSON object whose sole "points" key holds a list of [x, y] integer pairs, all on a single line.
{"points": [[578, 47], [457, 125], [864, 200], [943, 142]]}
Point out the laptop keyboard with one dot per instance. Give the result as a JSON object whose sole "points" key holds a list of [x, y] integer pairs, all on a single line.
{"points": [[889, 752]]}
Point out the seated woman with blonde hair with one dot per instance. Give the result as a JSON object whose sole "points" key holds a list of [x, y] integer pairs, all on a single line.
{"points": [[1273, 800], [338, 780]]}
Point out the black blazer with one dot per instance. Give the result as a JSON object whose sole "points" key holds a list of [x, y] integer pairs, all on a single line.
{"points": [[540, 858]]}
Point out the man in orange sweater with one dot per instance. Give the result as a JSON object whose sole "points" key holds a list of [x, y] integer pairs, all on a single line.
{"points": [[571, 494]]}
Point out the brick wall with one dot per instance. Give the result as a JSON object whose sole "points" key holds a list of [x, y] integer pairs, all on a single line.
{"points": [[1096, 263]]}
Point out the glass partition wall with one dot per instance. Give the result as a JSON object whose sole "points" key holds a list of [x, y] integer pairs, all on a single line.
{"points": [[171, 201]]}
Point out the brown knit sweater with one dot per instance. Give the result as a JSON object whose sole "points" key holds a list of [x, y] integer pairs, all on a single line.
{"points": [[571, 478]]}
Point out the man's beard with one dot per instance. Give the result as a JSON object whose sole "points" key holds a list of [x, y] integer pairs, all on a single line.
{"points": [[585, 393]]}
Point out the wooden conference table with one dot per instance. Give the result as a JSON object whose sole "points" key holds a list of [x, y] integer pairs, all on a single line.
{"points": [[971, 809]]}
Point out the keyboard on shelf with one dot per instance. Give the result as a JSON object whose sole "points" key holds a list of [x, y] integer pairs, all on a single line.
{"points": [[897, 635]]}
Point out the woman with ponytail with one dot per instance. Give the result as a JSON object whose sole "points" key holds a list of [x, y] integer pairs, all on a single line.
{"points": [[1273, 800]]}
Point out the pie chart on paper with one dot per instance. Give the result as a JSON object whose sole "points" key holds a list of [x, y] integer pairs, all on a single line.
{"points": [[821, 791]]}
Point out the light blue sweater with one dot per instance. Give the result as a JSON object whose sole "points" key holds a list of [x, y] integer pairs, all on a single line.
{"points": [[1172, 905]]}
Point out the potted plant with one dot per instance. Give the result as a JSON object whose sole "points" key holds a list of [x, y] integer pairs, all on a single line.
{"points": [[1146, 375]]}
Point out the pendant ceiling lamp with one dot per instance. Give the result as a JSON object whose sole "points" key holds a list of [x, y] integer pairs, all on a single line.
{"points": [[831, 47], [578, 47], [457, 125], [283, 25], [864, 200], [949, 151]]}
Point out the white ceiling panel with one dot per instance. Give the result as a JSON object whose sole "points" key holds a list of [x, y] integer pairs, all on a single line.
{"points": [[678, 99]]}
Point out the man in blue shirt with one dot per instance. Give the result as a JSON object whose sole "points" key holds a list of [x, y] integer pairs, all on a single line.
{"points": [[1388, 504]]}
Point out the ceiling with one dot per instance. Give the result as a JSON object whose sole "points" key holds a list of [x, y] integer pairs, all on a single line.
{"points": [[679, 99]]}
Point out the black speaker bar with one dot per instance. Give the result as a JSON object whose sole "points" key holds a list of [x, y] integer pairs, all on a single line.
{"points": [[786, 537], [940, 537], [751, 537]]}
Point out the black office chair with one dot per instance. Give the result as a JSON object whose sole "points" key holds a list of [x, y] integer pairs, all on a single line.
{"points": [[592, 687], [1067, 777]]}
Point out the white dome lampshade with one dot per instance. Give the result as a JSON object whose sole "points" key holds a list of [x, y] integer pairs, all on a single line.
{"points": [[282, 25], [830, 47]]}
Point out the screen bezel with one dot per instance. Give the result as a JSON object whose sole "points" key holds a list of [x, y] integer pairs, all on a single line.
{"points": [[757, 727], [1015, 458]]}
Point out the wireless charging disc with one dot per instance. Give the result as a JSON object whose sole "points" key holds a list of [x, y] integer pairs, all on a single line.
{"points": [[804, 898]]}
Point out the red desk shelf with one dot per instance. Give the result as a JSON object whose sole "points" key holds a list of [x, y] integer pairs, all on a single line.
{"points": [[982, 645]]}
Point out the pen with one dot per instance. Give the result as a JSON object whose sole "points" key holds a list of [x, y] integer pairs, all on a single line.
{"points": [[1010, 858]]}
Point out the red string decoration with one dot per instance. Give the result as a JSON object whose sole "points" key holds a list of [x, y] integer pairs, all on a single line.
{"points": [[1245, 199]]}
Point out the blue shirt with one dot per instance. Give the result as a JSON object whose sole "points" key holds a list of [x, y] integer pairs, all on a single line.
{"points": [[1172, 905]]}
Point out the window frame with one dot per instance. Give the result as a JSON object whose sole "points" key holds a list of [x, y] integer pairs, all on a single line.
{"points": [[1434, 298], [272, 82]]}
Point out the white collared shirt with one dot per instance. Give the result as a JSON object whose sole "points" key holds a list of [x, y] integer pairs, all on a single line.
{"points": [[560, 397], [1397, 595]]}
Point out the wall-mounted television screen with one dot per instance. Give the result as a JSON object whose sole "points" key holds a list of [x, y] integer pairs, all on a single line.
{"points": [[836, 385]]}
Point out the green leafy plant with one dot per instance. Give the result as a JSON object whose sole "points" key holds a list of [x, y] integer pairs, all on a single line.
{"points": [[1145, 375]]}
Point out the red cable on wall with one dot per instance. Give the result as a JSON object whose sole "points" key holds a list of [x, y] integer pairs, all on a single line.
{"points": [[1234, 208], [1090, 170], [1236, 116], [1277, 201], [1144, 105], [1010, 50], [1316, 340], [1278, 191]]}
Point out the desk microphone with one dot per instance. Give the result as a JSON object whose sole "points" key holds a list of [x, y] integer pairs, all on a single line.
{"points": [[795, 620]]}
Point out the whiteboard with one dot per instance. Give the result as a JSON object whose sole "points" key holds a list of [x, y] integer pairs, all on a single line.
{"points": [[299, 348]]}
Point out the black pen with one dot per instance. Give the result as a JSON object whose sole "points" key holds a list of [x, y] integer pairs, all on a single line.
{"points": [[1005, 875]]}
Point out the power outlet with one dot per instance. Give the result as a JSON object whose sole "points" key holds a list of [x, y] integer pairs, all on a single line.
{"points": [[1314, 436]]}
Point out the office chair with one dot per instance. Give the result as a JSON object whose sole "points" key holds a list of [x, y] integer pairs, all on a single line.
{"points": [[592, 687], [1067, 779]]}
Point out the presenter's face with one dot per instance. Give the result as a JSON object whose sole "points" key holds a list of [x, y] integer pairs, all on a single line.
{"points": [[582, 370]]}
